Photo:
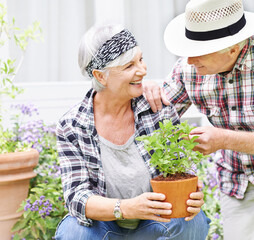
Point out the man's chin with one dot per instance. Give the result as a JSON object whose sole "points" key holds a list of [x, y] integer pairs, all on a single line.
{"points": [[201, 71]]}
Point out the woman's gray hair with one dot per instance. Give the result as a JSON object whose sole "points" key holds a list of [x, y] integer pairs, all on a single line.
{"points": [[91, 42]]}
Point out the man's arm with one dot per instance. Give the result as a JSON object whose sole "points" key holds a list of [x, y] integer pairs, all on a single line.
{"points": [[212, 139]]}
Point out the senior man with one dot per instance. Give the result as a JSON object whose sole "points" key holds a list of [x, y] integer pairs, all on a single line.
{"points": [[216, 73]]}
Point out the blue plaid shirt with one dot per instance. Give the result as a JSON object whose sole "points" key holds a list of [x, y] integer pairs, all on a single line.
{"points": [[79, 152], [228, 102]]}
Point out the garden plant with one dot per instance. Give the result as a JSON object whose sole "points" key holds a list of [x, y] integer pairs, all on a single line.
{"points": [[9, 68], [171, 149], [171, 152], [178, 157]]}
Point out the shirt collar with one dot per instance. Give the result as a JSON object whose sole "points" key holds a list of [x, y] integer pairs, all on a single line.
{"points": [[139, 105], [85, 115], [243, 61]]}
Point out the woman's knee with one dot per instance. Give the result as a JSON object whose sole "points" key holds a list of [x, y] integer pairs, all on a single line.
{"points": [[197, 228], [69, 229]]}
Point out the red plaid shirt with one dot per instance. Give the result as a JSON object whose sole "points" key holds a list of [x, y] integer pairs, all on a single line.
{"points": [[228, 102]]}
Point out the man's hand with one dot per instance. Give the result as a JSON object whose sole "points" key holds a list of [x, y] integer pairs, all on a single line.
{"points": [[154, 95], [212, 139]]}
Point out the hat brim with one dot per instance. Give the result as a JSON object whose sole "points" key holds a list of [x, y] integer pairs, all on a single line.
{"points": [[177, 43]]}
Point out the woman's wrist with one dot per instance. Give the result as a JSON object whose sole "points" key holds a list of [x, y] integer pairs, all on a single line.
{"points": [[125, 208]]}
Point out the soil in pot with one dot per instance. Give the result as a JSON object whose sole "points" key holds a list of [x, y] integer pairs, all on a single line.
{"points": [[177, 189]]}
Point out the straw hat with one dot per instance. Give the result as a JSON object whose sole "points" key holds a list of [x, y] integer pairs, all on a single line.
{"points": [[208, 26]]}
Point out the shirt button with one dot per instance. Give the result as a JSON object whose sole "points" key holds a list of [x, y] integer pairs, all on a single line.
{"points": [[231, 81], [233, 108]]}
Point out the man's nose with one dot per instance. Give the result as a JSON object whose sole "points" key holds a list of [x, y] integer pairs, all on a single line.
{"points": [[192, 60]]}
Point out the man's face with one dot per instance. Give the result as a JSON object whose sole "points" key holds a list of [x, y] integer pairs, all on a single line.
{"points": [[212, 63]]}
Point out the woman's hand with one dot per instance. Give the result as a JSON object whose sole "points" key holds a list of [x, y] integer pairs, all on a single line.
{"points": [[146, 206], [195, 202]]}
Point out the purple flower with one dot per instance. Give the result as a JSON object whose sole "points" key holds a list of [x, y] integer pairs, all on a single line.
{"points": [[42, 197], [42, 206], [27, 206], [46, 203], [215, 236], [27, 109]]}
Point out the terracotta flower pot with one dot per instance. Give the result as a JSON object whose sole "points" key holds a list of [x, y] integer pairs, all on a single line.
{"points": [[177, 193], [16, 170]]}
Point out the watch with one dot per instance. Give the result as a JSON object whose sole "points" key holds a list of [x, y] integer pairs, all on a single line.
{"points": [[117, 211]]}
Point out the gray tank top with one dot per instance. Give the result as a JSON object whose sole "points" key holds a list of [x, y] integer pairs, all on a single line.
{"points": [[126, 173]]}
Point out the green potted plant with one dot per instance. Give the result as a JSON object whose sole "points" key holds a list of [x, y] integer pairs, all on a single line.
{"points": [[17, 159], [171, 152]]}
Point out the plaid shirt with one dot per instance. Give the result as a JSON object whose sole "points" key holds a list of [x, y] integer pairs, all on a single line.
{"points": [[79, 153], [228, 102]]}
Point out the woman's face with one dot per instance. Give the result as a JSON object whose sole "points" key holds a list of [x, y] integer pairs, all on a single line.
{"points": [[125, 82]]}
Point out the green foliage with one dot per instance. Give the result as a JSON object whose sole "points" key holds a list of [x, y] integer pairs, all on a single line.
{"points": [[9, 142], [44, 208], [170, 148], [9, 67], [207, 173], [9, 32]]}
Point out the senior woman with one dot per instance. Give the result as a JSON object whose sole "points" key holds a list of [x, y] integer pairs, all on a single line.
{"points": [[105, 171]]}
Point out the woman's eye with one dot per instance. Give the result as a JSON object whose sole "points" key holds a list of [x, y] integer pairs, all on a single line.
{"points": [[141, 59], [129, 66]]}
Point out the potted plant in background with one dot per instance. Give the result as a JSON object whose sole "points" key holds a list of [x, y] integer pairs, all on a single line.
{"points": [[171, 152], [17, 158]]}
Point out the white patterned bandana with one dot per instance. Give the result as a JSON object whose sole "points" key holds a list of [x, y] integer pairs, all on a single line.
{"points": [[110, 50]]}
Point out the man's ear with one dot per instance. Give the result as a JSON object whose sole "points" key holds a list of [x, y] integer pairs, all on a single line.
{"points": [[100, 76], [235, 50]]}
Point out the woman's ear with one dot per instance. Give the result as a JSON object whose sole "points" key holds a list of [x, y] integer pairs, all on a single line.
{"points": [[100, 76]]}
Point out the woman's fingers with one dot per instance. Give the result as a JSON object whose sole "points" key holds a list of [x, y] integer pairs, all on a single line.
{"points": [[154, 196], [200, 185], [195, 203], [160, 205], [159, 218], [197, 195]]}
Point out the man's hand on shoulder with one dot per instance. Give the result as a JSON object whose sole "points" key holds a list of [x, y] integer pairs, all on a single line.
{"points": [[155, 95]]}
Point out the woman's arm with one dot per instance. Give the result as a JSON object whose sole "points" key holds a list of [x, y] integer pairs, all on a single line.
{"points": [[74, 174], [145, 206]]}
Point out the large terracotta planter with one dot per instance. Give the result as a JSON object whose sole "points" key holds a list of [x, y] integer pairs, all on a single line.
{"points": [[177, 193], [16, 170]]}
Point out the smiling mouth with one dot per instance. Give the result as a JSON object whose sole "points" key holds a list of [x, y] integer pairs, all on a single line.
{"points": [[136, 82]]}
